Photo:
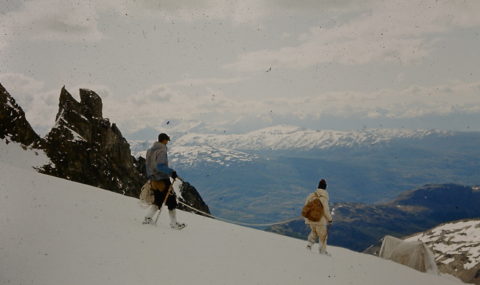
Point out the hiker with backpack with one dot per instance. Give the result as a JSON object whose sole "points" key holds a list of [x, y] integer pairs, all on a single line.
{"points": [[159, 175], [317, 216]]}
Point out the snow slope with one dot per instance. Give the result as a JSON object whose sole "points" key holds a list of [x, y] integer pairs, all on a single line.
{"points": [[54, 231], [14, 154]]}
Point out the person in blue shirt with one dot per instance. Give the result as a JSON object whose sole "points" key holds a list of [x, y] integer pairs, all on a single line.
{"points": [[159, 175]]}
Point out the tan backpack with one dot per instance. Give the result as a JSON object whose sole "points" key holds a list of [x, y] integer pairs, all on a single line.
{"points": [[313, 210], [146, 194]]}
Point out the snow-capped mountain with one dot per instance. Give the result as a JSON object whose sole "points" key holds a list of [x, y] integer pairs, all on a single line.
{"points": [[285, 137], [456, 247], [223, 149], [54, 231], [282, 165], [187, 156]]}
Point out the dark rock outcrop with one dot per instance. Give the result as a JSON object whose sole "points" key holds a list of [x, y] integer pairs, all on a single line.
{"points": [[13, 124], [85, 147], [191, 197]]}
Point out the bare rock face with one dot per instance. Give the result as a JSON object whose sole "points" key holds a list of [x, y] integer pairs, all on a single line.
{"points": [[85, 147], [13, 124], [191, 197]]}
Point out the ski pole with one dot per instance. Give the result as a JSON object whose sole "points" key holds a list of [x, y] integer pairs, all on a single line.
{"points": [[164, 200]]}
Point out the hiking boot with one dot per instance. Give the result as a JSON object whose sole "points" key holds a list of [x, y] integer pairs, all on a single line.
{"points": [[177, 226], [324, 252], [147, 221]]}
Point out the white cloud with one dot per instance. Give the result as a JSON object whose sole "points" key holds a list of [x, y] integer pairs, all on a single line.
{"points": [[237, 12], [387, 31], [215, 110], [54, 20], [206, 81], [40, 106], [206, 106]]}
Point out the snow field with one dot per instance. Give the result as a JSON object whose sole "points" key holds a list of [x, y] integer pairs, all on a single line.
{"points": [[54, 231]]}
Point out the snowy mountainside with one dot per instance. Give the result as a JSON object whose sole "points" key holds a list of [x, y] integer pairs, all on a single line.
{"points": [[56, 231], [220, 149], [271, 171], [456, 246], [286, 137], [186, 156]]}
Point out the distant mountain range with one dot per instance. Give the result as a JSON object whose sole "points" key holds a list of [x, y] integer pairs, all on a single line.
{"points": [[265, 175], [358, 226]]}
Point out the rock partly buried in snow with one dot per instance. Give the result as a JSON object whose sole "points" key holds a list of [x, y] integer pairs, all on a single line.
{"points": [[456, 247], [13, 124], [87, 148]]}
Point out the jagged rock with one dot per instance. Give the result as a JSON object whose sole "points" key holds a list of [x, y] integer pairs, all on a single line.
{"points": [[191, 197], [140, 165], [13, 124], [85, 147]]}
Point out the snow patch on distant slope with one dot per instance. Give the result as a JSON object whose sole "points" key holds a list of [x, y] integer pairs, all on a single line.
{"points": [[181, 155], [457, 238], [223, 149], [190, 155], [291, 137]]}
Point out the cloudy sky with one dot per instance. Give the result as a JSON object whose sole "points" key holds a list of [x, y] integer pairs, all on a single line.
{"points": [[235, 66]]}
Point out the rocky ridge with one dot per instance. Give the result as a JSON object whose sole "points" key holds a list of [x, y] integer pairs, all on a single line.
{"points": [[13, 124], [83, 146], [456, 247]]}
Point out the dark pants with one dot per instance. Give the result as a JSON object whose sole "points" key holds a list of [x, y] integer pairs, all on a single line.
{"points": [[159, 195]]}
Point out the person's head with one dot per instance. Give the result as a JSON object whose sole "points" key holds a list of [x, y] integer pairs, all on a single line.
{"points": [[163, 138], [322, 184]]}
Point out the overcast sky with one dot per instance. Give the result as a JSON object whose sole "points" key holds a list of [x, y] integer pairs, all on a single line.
{"points": [[235, 66]]}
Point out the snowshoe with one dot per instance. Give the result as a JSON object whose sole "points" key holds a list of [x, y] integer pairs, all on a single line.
{"points": [[147, 221], [178, 226]]}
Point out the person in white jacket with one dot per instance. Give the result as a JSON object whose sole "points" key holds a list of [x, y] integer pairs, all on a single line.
{"points": [[319, 230]]}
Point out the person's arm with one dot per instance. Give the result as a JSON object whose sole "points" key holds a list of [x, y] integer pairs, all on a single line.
{"points": [[162, 167], [326, 210], [162, 163]]}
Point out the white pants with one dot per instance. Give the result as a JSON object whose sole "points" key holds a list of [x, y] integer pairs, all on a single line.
{"points": [[318, 232], [171, 213]]}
